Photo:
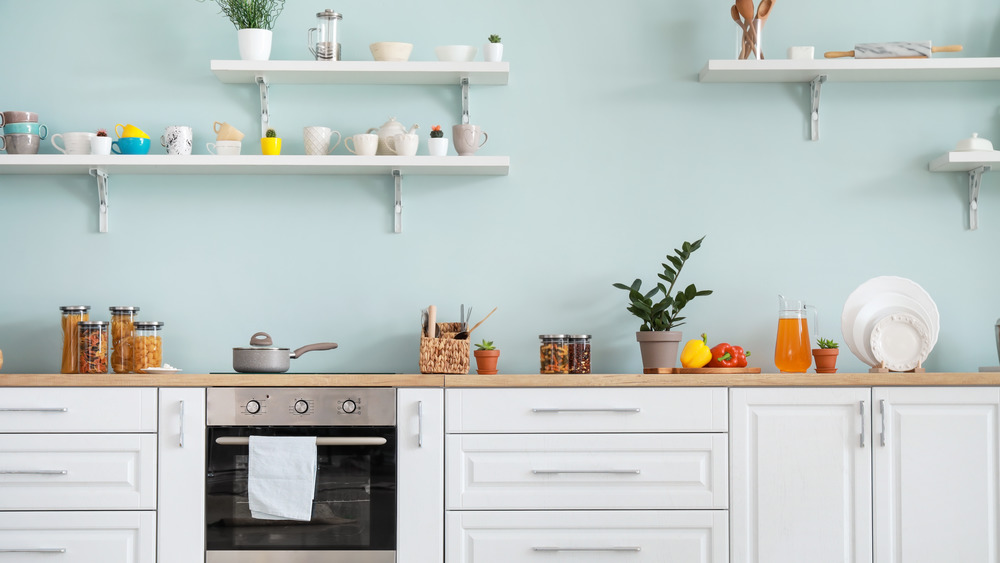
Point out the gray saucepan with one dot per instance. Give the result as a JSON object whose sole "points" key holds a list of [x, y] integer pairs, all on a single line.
{"points": [[262, 357]]}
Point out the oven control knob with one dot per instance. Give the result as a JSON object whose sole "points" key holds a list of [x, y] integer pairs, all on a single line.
{"points": [[301, 406], [349, 406], [253, 406]]}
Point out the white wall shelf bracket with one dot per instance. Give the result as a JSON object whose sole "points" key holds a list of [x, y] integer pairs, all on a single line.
{"points": [[465, 100], [398, 205], [815, 86], [975, 180], [102, 196], [265, 115]]}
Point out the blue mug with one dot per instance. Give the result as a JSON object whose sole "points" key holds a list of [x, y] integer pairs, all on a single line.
{"points": [[25, 129], [130, 145]]}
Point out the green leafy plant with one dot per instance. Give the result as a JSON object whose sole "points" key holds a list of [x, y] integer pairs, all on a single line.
{"points": [[270, 134], [485, 345], [251, 14], [825, 343], [665, 313], [494, 38]]}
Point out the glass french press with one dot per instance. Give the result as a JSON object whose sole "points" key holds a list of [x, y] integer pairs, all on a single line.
{"points": [[326, 46]]}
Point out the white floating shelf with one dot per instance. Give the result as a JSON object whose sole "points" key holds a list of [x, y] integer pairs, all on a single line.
{"points": [[360, 72], [964, 161], [944, 68]]}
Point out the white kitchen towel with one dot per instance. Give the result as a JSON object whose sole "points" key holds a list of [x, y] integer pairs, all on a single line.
{"points": [[282, 477]]}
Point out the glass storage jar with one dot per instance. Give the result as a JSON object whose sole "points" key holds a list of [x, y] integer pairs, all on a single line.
{"points": [[579, 353], [93, 346], [554, 353], [71, 315], [122, 319], [147, 345]]}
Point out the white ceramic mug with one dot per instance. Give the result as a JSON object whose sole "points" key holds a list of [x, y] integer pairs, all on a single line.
{"points": [[466, 139], [73, 143], [224, 148], [177, 139], [365, 144], [403, 144], [317, 140]]}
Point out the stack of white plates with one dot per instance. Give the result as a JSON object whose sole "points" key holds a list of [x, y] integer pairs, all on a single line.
{"points": [[890, 320]]}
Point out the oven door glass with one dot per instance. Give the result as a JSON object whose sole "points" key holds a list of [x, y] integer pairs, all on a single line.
{"points": [[354, 507]]}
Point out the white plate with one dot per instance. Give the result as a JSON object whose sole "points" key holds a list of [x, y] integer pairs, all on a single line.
{"points": [[879, 307], [160, 370], [901, 340], [872, 289]]}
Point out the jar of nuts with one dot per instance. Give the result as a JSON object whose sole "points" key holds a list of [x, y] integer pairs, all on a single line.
{"points": [[122, 331], [147, 345]]}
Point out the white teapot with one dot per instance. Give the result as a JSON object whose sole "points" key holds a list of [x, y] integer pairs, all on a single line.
{"points": [[387, 130]]}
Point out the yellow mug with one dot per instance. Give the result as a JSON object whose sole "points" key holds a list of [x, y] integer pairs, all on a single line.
{"points": [[130, 131]]}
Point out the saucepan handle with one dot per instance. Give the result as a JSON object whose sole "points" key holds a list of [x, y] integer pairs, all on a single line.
{"points": [[312, 347]]}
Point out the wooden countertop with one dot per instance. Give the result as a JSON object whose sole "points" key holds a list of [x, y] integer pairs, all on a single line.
{"points": [[503, 380]]}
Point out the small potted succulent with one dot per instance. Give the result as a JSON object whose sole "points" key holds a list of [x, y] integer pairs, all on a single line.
{"points": [[826, 355], [100, 143], [486, 358], [271, 143], [493, 51], [437, 145]]}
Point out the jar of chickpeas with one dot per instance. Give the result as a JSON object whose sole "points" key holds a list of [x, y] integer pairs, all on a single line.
{"points": [[122, 331], [147, 345], [71, 315]]}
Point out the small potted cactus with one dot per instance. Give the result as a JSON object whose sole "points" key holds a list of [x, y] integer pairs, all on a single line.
{"points": [[826, 355], [486, 358], [100, 143], [437, 145], [493, 51], [271, 143]]}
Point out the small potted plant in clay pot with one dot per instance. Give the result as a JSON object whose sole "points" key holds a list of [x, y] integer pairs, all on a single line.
{"points": [[826, 355], [486, 358], [493, 51], [100, 143], [271, 143]]}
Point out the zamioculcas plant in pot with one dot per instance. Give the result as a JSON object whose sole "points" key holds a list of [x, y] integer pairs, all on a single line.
{"points": [[493, 51], [271, 143], [658, 342], [826, 355], [254, 20], [486, 358]]}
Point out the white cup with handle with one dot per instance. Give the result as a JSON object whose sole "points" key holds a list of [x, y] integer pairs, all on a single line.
{"points": [[365, 144], [73, 143], [403, 144], [224, 148], [317, 140]]}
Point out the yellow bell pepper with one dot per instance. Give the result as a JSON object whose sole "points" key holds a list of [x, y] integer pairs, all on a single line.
{"points": [[696, 353]]}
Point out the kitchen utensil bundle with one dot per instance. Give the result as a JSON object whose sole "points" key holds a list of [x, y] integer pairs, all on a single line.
{"points": [[444, 347], [751, 24], [894, 50], [263, 357]]}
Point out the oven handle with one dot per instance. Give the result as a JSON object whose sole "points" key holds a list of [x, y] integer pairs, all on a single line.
{"points": [[359, 441]]}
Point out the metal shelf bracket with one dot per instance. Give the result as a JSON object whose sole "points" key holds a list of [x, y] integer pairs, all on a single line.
{"points": [[465, 100], [398, 205], [265, 116], [102, 196], [815, 86], [975, 180]]}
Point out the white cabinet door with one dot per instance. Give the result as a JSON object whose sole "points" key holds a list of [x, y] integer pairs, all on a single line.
{"points": [[800, 476], [420, 479], [937, 485], [181, 522], [78, 537], [78, 409]]}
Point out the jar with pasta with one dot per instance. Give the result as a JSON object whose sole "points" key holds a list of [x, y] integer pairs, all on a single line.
{"points": [[553, 353], [147, 345], [122, 331], [93, 346], [579, 353], [71, 315]]}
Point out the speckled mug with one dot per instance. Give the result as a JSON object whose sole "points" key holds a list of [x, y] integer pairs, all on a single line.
{"points": [[177, 139]]}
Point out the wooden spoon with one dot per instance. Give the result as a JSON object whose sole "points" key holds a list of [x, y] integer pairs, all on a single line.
{"points": [[764, 9], [739, 21], [745, 8], [465, 334]]}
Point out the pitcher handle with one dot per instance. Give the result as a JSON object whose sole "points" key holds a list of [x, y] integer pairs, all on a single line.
{"points": [[815, 325], [309, 43]]}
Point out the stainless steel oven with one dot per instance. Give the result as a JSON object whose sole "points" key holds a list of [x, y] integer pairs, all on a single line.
{"points": [[354, 507]]}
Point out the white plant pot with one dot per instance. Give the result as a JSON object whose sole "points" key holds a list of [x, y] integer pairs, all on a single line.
{"points": [[438, 146], [493, 52], [100, 145], [255, 44]]}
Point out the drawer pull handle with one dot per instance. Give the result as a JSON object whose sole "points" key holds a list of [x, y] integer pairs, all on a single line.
{"points": [[33, 409], [632, 548], [33, 471], [420, 424], [38, 550], [611, 471], [346, 441], [612, 409]]}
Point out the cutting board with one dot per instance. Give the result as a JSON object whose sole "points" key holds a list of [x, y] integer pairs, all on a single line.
{"points": [[701, 370]]}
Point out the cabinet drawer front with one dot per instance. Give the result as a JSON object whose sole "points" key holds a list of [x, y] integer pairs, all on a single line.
{"points": [[77, 471], [74, 409], [679, 409], [628, 536], [586, 471], [78, 537]]}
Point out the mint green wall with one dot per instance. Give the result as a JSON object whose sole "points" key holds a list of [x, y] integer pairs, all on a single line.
{"points": [[618, 154]]}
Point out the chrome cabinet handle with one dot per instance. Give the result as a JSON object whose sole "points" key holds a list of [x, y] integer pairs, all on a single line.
{"points": [[420, 424], [611, 471], [36, 550], [632, 548], [33, 472], [181, 440], [881, 408], [359, 441], [862, 424], [33, 409], [612, 409]]}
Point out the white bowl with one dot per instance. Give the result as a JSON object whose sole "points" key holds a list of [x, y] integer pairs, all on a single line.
{"points": [[455, 53], [391, 51]]}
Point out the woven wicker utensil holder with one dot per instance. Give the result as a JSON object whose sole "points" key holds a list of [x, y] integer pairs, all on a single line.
{"points": [[444, 354]]}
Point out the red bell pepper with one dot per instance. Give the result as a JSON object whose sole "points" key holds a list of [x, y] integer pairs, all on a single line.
{"points": [[726, 356]]}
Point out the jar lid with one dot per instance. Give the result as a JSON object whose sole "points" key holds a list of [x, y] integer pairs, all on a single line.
{"points": [[587, 336], [74, 308], [91, 324], [329, 14], [123, 310], [550, 336], [139, 325]]}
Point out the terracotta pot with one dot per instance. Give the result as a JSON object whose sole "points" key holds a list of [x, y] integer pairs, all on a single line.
{"points": [[826, 359], [486, 361], [658, 348]]}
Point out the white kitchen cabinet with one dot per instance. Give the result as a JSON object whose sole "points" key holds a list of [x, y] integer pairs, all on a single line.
{"points": [[420, 479], [801, 475], [78, 537], [77, 409], [937, 480], [181, 448]]}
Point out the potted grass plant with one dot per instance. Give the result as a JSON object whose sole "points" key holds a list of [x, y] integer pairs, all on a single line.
{"points": [[254, 20]]}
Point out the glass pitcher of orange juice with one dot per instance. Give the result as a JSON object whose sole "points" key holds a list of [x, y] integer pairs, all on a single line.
{"points": [[793, 349]]}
